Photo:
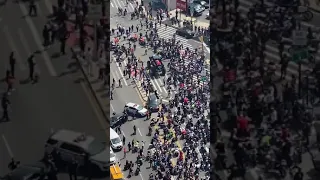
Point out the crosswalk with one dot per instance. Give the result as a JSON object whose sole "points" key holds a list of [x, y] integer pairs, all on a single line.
{"points": [[123, 4], [272, 52], [117, 74]]}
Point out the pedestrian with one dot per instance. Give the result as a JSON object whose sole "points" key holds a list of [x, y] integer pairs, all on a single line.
{"points": [[124, 139], [118, 129], [46, 35], [10, 81], [13, 164], [63, 46], [31, 63], [12, 62], [129, 146], [5, 105], [32, 8], [134, 130], [124, 153]]}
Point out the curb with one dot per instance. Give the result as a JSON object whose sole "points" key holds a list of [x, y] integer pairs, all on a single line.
{"points": [[140, 89], [314, 9], [75, 55]]}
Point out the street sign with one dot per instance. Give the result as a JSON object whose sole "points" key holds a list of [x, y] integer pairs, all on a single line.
{"points": [[299, 55], [94, 12], [299, 38]]}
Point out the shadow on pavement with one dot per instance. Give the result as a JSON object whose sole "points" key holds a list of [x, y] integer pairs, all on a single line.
{"points": [[68, 72]]}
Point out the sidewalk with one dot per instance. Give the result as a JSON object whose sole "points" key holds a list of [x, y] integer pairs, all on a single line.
{"points": [[314, 5], [99, 91]]}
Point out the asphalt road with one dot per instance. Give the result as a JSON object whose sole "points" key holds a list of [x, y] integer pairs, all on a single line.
{"points": [[58, 101]]}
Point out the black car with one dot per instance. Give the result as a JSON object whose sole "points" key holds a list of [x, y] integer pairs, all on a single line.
{"points": [[118, 119], [153, 103], [156, 66], [185, 33], [28, 172], [202, 3]]}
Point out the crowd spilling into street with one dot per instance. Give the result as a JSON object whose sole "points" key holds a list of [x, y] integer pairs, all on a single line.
{"points": [[178, 129], [268, 108]]}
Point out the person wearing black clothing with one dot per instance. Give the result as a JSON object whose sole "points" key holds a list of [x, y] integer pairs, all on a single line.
{"points": [[124, 140], [134, 129], [72, 170], [12, 62], [13, 164], [31, 64], [32, 8], [5, 104]]}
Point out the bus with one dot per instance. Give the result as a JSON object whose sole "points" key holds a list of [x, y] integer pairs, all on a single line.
{"points": [[115, 172]]}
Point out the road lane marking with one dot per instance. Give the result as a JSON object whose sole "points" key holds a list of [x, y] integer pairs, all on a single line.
{"points": [[158, 85], [35, 35], [49, 6], [7, 146], [13, 47], [123, 133], [112, 107], [141, 176], [139, 132], [26, 47], [124, 79], [206, 46]]}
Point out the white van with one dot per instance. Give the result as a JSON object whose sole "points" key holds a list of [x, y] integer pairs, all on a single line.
{"points": [[115, 140]]}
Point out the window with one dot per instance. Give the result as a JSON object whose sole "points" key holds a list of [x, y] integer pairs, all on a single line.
{"points": [[71, 148], [52, 141]]}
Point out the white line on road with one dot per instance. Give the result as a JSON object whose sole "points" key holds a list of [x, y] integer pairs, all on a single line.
{"points": [[14, 48], [139, 132], [124, 79], [24, 42], [112, 107], [49, 6], [123, 133], [141, 176], [35, 35], [205, 46], [7, 146]]}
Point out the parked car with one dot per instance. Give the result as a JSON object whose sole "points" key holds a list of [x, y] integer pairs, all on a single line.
{"points": [[153, 103], [202, 3]]}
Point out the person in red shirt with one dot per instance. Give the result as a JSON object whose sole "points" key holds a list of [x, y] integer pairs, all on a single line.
{"points": [[242, 122]]}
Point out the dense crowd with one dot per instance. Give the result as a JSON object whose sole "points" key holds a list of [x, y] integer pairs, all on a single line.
{"points": [[269, 120]]}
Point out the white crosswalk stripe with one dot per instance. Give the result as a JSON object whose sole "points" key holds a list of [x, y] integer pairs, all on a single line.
{"points": [[167, 33], [118, 74], [122, 4], [272, 52]]}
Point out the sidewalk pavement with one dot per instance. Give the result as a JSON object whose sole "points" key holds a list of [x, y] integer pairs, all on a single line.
{"points": [[99, 91], [197, 23], [314, 5]]}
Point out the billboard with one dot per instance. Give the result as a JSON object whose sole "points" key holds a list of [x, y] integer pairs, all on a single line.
{"points": [[182, 5]]}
